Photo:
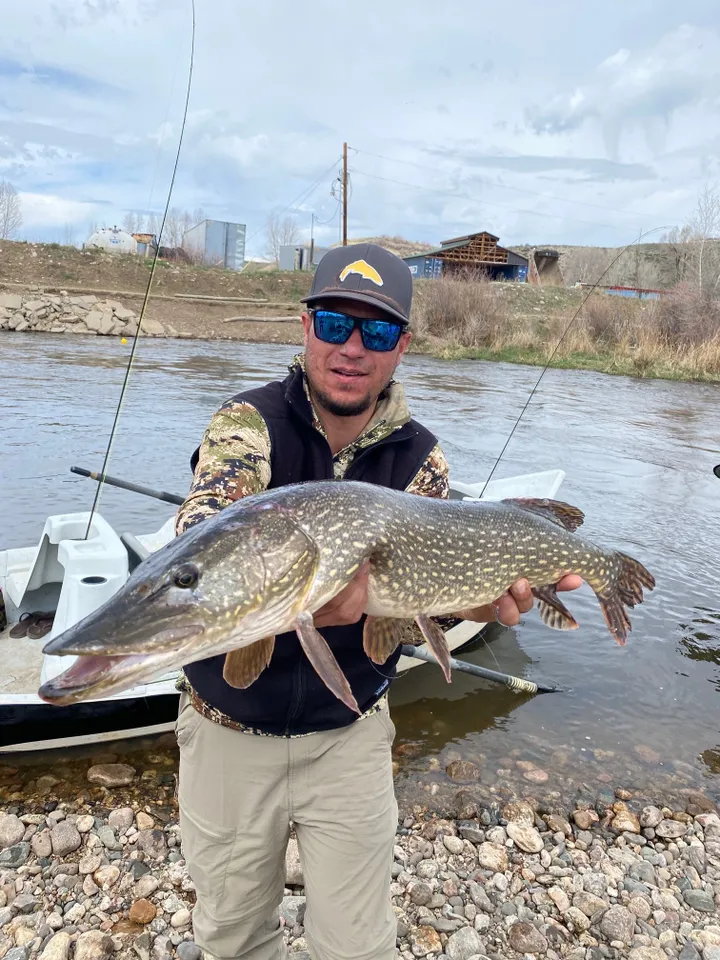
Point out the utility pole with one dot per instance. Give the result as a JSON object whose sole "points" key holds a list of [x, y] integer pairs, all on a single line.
{"points": [[344, 196], [312, 241]]}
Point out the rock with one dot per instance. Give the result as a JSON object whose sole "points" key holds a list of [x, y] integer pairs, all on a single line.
{"points": [[153, 843], [94, 319], [58, 948], [420, 893], [559, 898], [142, 911], [650, 817], [624, 820], [11, 301], [54, 921], [647, 953], [122, 313], [65, 838], [85, 824], [19, 953], [111, 774], [698, 803], [578, 919], [106, 325], [558, 824], [122, 818], [93, 945], [90, 888], [525, 837], [25, 903], [589, 903], [15, 856], [152, 328], [584, 819], [453, 845], [518, 811], [292, 910], [670, 829], [188, 950], [90, 863], [146, 886], [618, 924], [293, 867], [107, 837], [699, 900], [640, 907], [144, 821], [424, 941], [492, 857], [12, 830], [463, 944], [647, 753], [106, 877], [181, 918], [525, 938], [463, 771]]}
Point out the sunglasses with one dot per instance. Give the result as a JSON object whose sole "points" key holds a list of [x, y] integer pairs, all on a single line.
{"points": [[333, 327]]}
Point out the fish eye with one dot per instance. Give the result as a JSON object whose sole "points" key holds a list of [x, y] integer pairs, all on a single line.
{"points": [[186, 576]]}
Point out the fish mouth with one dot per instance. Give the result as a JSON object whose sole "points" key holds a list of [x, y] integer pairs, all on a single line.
{"points": [[76, 641], [92, 674]]}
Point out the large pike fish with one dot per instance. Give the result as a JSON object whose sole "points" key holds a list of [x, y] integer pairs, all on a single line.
{"points": [[263, 565]]}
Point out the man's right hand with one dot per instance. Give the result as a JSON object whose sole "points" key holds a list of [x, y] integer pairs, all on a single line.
{"points": [[349, 605]]}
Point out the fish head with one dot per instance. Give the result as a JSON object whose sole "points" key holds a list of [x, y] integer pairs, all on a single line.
{"points": [[209, 590]]}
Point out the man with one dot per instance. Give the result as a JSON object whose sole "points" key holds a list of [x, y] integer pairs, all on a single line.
{"points": [[285, 750]]}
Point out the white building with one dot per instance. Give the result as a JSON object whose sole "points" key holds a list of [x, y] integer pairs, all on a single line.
{"points": [[113, 240]]}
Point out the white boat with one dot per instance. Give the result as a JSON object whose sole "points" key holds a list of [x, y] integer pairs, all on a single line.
{"points": [[70, 576]]}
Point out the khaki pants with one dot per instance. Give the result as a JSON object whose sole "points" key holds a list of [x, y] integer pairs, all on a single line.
{"points": [[238, 795]]}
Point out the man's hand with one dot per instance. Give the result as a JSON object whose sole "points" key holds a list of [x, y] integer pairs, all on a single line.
{"points": [[517, 600], [349, 605]]}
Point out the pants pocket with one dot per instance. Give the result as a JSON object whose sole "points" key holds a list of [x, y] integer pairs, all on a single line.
{"points": [[188, 721], [208, 850]]}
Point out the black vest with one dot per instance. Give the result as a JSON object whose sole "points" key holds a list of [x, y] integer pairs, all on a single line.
{"points": [[288, 697]]}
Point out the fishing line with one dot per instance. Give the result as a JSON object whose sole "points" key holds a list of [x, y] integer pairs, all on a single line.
{"points": [[557, 345], [136, 337]]}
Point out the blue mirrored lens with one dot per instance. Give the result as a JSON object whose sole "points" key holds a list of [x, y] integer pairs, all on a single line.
{"points": [[333, 327], [380, 335]]}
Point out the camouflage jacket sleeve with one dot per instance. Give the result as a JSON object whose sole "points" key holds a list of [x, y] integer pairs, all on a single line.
{"points": [[433, 477], [234, 462]]}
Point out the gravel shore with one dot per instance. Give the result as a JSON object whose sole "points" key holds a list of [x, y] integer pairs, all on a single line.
{"points": [[97, 871]]}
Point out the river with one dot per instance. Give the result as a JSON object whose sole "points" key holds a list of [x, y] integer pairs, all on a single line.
{"points": [[638, 457]]}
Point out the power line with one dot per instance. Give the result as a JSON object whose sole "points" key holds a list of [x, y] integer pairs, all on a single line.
{"points": [[503, 186], [489, 203]]}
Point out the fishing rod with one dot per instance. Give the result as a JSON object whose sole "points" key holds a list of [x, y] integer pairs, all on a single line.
{"points": [[136, 337], [127, 485], [574, 317], [516, 684]]}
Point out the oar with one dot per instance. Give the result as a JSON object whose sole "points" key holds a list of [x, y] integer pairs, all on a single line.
{"points": [[126, 485], [514, 683]]}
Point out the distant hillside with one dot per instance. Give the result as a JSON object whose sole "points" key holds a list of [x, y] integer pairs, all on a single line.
{"points": [[649, 265], [397, 245]]}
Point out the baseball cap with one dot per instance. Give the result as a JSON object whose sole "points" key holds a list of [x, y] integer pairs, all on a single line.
{"points": [[365, 272]]}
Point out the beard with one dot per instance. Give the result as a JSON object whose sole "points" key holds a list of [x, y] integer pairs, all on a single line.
{"points": [[351, 408]]}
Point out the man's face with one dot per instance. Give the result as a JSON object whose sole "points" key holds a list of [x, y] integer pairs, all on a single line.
{"points": [[346, 378]]}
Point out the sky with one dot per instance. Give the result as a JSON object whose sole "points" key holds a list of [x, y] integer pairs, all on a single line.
{"points": [[552, 123]]}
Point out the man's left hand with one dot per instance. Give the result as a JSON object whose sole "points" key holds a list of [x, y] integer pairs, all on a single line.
{"points": [[515, 601]]}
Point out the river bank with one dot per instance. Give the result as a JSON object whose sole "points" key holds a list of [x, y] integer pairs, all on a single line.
{"points": [[469, 321], [91, 866]]}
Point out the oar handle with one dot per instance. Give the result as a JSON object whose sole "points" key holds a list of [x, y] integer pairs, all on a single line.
{"points": [[126, 485]]}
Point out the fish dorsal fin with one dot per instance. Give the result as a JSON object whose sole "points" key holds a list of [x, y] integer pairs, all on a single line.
{"points": [[560, 513]]}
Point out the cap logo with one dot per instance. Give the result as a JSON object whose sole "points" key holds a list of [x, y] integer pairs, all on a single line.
{"points": [[364, 269]]}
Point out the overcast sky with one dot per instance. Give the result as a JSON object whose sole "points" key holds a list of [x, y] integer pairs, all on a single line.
{"points": [[550, 122]]}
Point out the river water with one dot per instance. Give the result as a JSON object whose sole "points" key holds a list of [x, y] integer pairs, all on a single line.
{"points": [[638, 458]]}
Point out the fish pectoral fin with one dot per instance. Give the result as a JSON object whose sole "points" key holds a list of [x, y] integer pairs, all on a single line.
{"points": [[552, 610], [244, 665], [436, 641], [323, 660], [558, 512], [381, 635]]}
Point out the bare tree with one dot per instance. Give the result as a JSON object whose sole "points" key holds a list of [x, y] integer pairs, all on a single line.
{"points": [[696, 245], [10, 211], [133, 222], [68, 235], [172, 234], [280, 233]]}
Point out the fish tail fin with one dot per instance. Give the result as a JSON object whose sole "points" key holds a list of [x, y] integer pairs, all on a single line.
{"points": [[625, 589], [552, 610]]}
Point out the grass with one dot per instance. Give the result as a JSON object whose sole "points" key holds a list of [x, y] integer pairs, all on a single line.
{"points": [[674, 338]]}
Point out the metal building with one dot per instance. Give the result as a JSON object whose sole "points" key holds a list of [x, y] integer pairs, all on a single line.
{"points": [[296, 256], [216, 243]]}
